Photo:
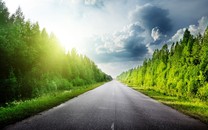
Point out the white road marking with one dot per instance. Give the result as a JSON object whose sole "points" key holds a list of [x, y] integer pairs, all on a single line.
{"points": [[112, 126]]}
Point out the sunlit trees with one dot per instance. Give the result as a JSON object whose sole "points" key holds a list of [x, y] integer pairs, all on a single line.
{"points": [[33, 63], [181, 71]]}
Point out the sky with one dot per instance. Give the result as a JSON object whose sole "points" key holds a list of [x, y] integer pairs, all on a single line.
{"points": [[116, 34]]}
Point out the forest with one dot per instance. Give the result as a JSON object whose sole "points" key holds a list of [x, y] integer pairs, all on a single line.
{"points": [[181, 70], [33, 62]]}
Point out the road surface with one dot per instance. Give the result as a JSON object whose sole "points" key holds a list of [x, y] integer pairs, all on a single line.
{"points": [[112, 106]]}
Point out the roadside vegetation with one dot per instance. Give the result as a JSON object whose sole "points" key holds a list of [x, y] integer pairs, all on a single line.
{"points": [[18, 110], [193, 107], [177, 76], [36, 72]]}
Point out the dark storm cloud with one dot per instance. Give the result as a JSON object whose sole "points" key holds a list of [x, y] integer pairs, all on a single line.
{"points": [[181, 13], [135, 49], [152, 16], [152, 25], [123, 56], [125, 45]]}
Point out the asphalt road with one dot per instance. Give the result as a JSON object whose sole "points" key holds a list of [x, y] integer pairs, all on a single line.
{"points": [[110, 106]]}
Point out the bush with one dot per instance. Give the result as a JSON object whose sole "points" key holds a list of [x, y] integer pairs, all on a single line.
{"points": [[9, 88], [192, 89], [63, 84], [180, 88], [203, 92]]}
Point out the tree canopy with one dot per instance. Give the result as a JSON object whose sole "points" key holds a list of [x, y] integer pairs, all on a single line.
{"points": [[181, 71], [32, 62]]}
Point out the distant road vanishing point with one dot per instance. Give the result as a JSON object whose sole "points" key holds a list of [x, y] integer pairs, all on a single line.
{"points": [[112, 106]]}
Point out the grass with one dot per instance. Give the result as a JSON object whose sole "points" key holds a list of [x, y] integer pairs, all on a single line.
{"points": [[192, 107], [20, 110]]}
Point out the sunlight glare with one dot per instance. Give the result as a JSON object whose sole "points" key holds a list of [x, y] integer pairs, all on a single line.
{"points": [[71, 38]]}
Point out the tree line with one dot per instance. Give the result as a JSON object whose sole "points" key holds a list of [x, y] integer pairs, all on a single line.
{"points": [[181, 70], [32, 62]]}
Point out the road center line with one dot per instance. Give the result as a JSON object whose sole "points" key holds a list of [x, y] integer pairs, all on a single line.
{"points": [[112, 126]]}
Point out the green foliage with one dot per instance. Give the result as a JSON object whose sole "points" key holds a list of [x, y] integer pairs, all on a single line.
{"points": [[181, 72], [192, 107], [18, 110], [203, 92], [33, 63]]}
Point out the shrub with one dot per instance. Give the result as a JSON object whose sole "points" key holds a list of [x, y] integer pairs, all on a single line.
{"points": [[203, 92]]}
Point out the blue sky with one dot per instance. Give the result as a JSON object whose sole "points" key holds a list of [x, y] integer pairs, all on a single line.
{"points": [[116, 34]]}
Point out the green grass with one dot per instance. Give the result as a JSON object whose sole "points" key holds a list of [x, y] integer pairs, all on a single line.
{"points": [[17, 111], [192, 107]]}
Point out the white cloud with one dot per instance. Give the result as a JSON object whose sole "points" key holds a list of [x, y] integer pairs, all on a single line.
{"points": [[178, 35], [194, 30], [202, 25], [119, 41], [90, 2], [156, 33]]}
